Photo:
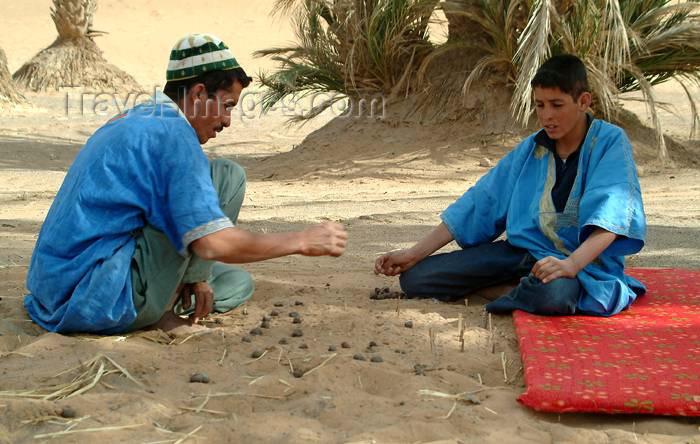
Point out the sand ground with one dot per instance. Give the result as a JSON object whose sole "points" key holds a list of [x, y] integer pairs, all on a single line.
{"points": [[386, 199]]}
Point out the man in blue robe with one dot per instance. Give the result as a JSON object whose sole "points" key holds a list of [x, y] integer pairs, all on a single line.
{"points": [[569, 202], [143, 221]]}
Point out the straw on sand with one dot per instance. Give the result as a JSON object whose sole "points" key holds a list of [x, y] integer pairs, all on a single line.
{"points": [[464, 397], [92, 372]]}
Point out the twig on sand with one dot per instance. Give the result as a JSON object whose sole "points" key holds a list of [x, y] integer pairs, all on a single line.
{"points": [[398, 305], [94, 370], [504, 364], [321, 364], [464, 397], [223, 356], [291, 367], [8, 353], [460, 326], [189, 435], [512, 378], [481, 382], [198, 410], [90, 430], [254, 395], [258, 358], [194, 335], [490, 411]]}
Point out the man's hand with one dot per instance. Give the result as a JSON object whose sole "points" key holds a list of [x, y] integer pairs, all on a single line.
{"points": [[325, 239], [203, 299], [395, 262], [550, 268]]}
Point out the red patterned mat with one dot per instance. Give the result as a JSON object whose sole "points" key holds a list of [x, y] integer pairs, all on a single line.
{"points": [[644, 360]]}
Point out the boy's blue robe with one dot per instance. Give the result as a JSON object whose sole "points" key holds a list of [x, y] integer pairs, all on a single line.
{"points": [[515, 197]]}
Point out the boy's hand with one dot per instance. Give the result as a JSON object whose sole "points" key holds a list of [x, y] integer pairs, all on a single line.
{"points": [[395, 262], [325, 239], [549, 268]]}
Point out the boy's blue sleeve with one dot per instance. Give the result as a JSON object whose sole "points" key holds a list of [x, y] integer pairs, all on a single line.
{"points": [[480, 214], [612, 198]]}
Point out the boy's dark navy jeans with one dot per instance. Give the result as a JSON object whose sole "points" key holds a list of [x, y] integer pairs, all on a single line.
{"points": [[450, 276]]}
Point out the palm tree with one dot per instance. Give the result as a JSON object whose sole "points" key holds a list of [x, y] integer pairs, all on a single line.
{"points": [[8, 89], [73, 59], [627, 45]]}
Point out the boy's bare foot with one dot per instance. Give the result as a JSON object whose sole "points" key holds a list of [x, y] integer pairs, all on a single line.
{"points": [[177, 326]]}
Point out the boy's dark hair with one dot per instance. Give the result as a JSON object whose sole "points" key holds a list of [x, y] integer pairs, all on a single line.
{"points": [[213, 81], [566, 72]]}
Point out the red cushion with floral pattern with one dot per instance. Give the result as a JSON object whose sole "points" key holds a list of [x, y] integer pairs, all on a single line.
{"points": [[643, 360]]}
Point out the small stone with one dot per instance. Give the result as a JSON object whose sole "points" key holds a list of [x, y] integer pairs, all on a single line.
{"points": [[294, 314], [278, 304], [256, 332], [331, 348], [296, 321], [201, 378], [376, 358], [274, 313], [359, 357], [68, 412], [485, 162], [256, 354], [297, 333], [372, 344], [283, 341], [265, 324], [246, 339], [419, 369], [298, 373], [304, 346], [345, 345], [408, 324], [298, 303], [265, 319]]}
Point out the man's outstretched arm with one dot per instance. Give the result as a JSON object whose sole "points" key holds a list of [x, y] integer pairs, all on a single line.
{"points": [[237, 246]]}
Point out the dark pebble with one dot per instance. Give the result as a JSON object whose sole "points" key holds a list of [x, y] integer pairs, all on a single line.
{"points": [[345, 345], [265, 324], [298, 373], [68, 412], [256, 331], [247, 339], [278, 304], [274, 313], [331, 348], [298, 303], [372, 344], [376, 358], [359, 357], [408, 324], [202, 378], [296, 321], [266, 319], [256, 354], [304, 346], [297, 333], [419, 369], [294, 314], [283, 341]]}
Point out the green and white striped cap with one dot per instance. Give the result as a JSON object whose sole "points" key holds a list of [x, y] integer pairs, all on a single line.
{"points": [[196, 54]]}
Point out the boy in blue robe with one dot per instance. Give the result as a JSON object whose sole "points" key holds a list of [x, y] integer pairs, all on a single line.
{"points": [[143, 221], [569, 201]]}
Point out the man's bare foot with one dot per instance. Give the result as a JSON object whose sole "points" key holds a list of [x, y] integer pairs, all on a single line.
{"points": [[177, 326]]}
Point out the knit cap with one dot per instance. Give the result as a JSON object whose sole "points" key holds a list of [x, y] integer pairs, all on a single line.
{"points": [[195, 54]]}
